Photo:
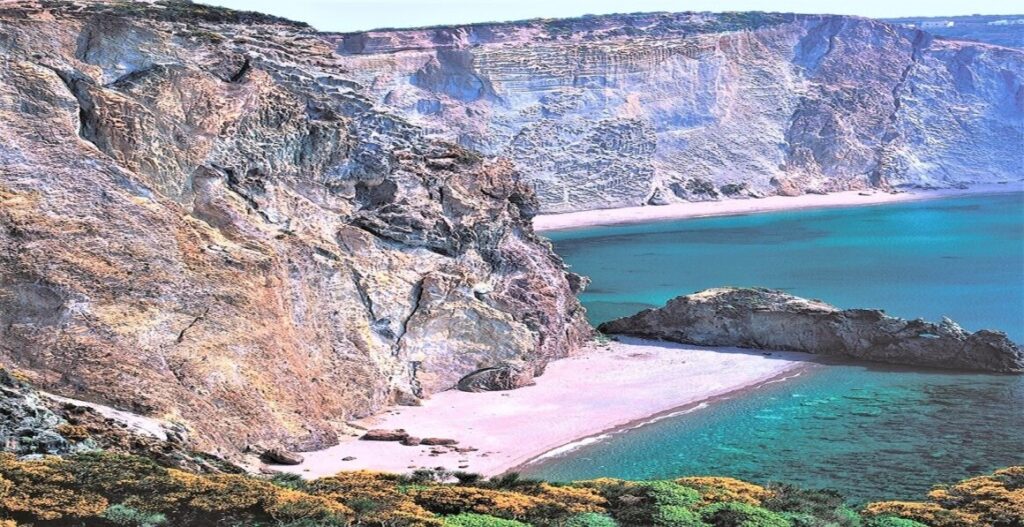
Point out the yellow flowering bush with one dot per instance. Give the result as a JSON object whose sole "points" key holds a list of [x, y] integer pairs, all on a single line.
{"points": [[719, 490], [83, 486], [445, 499], [73, 432], [375, 497], [104, 489], [43, 489], [928, 513], [290, 504], [996, 500], [571, 500]]}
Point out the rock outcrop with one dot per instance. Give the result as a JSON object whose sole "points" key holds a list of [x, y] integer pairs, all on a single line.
{"points": [[27, 425], [768, 319], [204, 218], [622, 110], [33, 424], [277, 456]]}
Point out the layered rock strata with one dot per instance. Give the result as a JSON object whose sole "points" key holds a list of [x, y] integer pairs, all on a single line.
{"points": [[624, 110], [773, 320]]}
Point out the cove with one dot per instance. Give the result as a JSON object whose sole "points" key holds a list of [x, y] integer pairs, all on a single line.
{"points": [[870, 432]]}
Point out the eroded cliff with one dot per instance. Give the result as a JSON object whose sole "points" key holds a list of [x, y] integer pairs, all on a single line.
{"points": [[204, 218], [622, 110]]}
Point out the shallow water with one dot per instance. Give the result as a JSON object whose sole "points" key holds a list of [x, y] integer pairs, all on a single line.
{"points": [[870, 432]]}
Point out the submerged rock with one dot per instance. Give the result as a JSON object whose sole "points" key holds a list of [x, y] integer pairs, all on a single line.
{"points": [[768, 319]]}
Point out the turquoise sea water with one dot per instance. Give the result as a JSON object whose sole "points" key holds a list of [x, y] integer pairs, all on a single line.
{"points": [[870, 432]]}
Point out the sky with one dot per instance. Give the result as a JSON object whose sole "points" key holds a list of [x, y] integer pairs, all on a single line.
{"points": [[355, 15]]}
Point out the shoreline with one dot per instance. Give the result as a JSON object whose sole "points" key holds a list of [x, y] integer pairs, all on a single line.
{"points": [[738, 207], [650, 380], [568, 448]]}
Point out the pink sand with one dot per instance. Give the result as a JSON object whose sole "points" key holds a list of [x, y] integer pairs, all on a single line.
{"points": [[602, 389], [731, 207]]}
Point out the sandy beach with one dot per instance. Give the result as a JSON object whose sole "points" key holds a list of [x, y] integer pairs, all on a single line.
{"points": [[732, 207], [602, 389]]}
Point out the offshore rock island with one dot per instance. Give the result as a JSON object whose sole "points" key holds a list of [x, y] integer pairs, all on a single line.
{"points": [[774, 320]]}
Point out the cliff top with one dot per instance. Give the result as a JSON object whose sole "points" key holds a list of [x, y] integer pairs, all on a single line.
{"points": [[162, 10], [587, 28], [637, 20]]}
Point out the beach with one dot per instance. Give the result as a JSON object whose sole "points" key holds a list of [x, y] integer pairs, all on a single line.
{"points": [[730, 207], [602, 389]]}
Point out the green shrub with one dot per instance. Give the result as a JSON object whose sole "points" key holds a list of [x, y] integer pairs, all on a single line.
{"points": [[648, 503], [289, 481], [467, 478], [735, 514], [892, 521], [802, 519], [468, 519], [676, 516], [668, 493], [305, 522], [129, 517], [363, 506], [847, 517], [826, 506], [591, 519], [511, 481]]}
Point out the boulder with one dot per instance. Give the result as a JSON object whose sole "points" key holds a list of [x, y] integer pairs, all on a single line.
{"points": [[438, 441], [381, 434], [278, 456], [768, 319], [507, 376], [411, 441]]}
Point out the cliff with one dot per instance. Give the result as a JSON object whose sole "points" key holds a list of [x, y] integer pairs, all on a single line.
{"points": [[1001, 30], [624, 110], [204, 218], [768, 319]]}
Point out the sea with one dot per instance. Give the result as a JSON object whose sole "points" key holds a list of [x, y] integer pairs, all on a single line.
{"points": [[869, 431]]}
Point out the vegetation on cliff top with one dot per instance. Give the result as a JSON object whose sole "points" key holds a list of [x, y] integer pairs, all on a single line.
{"points": [[106, 489], [173, 11]]}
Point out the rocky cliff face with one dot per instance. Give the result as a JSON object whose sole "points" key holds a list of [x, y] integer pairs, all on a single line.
{"points": [[204, 218], [624, 110], [34, 424], [767, 319]]}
